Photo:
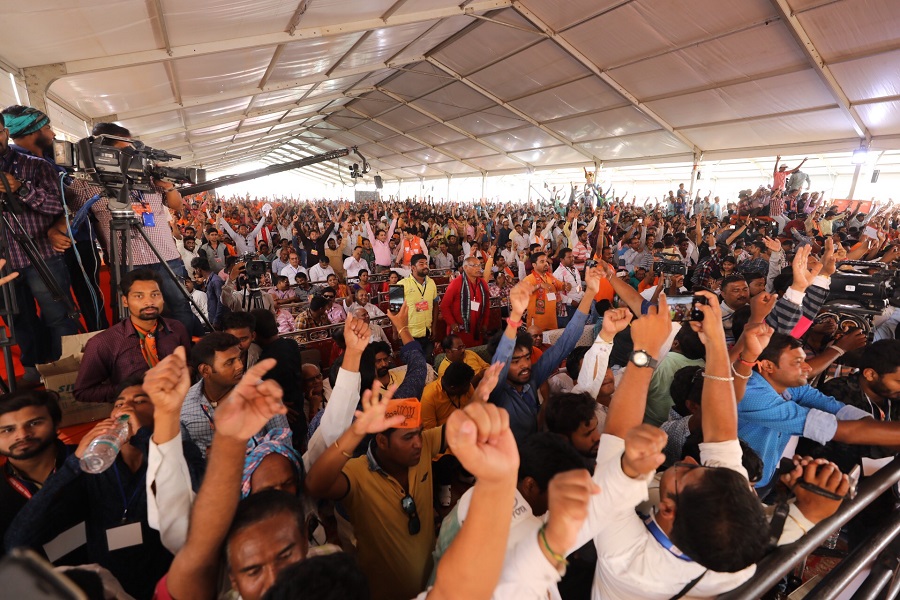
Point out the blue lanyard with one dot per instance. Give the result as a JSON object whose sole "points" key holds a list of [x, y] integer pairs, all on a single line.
{"points": [[126, 503], [660, 536]]}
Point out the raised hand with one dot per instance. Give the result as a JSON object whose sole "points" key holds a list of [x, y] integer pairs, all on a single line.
{"points": [[821, 474], [756, 337], [803, 276], [488, 382], [643, 450], [761, 305], [480, 437], [104, 426], [401, 319], [615, 320], [650, 331], [519, 297], [167, 383], [592, 277], [251, 404], [828, 260], [356, 334], [710, 329], [772, 244], [374, 404], [852, 340], [569, 495]]}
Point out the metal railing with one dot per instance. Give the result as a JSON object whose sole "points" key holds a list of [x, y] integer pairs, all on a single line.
{"points": [[779, 563]]}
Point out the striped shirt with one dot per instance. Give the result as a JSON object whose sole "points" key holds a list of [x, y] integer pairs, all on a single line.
{"points": [[42, 202]]}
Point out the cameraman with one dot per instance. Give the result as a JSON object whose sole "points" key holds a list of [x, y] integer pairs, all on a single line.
{"points": [[155, 223], [34, 186]]}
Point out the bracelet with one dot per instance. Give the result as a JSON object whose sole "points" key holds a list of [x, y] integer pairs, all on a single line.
{"points": [[342, 450], [716, 377], [738, 375], [746, 363], [513, 324], [559, 558], [840, 351], [402, 329]]}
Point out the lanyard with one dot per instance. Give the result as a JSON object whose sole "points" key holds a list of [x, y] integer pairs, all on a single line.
{"points": [[662, 538], [206, 412], [875, 407], [125, 503], [18, 486], [422, 289]]}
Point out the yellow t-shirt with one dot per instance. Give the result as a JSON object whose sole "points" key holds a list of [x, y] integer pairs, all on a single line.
{"points": [[470, 358], [396, 563], [437, 405], [420, 300]]}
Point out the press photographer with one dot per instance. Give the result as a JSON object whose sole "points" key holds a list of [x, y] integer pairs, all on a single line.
{"points": [[150, 208], [31, 189]]}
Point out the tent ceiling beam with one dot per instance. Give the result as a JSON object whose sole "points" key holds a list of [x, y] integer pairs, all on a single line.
{"points": [[418, 140], [588, 64], [818, 63], [497, 100], [455, 128], [161, 25], [118, 61], [295, 18]]}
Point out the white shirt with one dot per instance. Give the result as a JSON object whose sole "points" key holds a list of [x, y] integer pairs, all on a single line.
{"points": [[200, 299], [519, 241], [187, 256], [291, 271], [353, 267], [510, 256], [573, 278], [370, 308], [319, 275], [378, 334]]}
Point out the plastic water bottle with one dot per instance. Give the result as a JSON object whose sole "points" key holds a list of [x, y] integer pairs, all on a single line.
{"points": [[101, 453]]}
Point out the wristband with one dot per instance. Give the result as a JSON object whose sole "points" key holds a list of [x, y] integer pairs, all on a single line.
{"points": [[341, 450], [559, 558], [738, 375], [746, 363], [716, 377], [513, 324], [839, 350]]}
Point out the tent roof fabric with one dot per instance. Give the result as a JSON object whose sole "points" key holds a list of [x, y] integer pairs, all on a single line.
{"points": [[437, 88]]}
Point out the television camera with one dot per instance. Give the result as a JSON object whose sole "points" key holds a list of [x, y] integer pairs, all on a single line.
{"points": [[668, 266], [860, 291]]}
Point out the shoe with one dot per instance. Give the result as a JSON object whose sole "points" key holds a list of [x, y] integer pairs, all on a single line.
{"points": [[444, 496]]}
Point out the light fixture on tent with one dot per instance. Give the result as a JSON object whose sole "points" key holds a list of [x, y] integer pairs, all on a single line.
{"points": [[860, 154]]}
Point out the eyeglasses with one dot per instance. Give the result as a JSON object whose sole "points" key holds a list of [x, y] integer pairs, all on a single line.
{"points": [[316, 377], [328, 296], [409, 507]]}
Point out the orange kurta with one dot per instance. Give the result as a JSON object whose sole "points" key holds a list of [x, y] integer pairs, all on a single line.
{"points": [[541, 307]]}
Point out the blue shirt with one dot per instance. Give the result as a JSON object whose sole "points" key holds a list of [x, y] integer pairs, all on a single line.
{"points": [[767, 419], [523, 406]]}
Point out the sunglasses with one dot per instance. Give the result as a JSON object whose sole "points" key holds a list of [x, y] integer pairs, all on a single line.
{"points": [[409, 507]]}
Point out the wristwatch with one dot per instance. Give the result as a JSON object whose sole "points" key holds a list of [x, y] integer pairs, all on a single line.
{"points": [[640, 358]]}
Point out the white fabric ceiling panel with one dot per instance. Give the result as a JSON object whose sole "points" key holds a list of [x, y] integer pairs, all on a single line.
{"points": [[441, 32], [558, 155], [270, 118], [649, 27], [373, 104], [405, 119], [281, 96], [819, 125], [873, 77], [395, 174], [536, 68], [572, 98], [305, 110], [55, 31], [399, 143], [436, 134], [153, 123], [330, 12], [496, 162], [355, 82], [454, 168], [742, 55], [525, 138], [609, 123], [198, 21], [487, 42], [882, 118], [345, 120], [348, 139], [417, 81], [428, 156], [213, 142], [467, 149], [232, 126], [453, 101], [779, 94], [311, 56], [659, 143], [384, 43], [373, 150], [214, 110], [374, 131], [170, 141], [561, 15], [852, 26], [252, 135], [488, 121], [119, 92], [400, 161]]}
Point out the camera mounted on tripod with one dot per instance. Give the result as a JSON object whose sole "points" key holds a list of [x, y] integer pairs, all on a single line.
{"points": [[872, 291]]}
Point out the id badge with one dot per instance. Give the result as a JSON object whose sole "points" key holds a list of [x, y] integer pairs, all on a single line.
{"points": [[422, 306], [149, 219], [539, 306], [475, 306], [124, 536], [551, 297]]}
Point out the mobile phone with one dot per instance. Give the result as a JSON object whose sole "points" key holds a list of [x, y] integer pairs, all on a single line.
{"points": [[684, 308], [590, 263], [396, 298]]}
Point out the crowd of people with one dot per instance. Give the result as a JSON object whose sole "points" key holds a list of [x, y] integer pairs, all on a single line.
{"points": [[579, 397]]}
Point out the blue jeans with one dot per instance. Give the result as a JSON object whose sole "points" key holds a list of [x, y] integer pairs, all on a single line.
{"points": [[176, 305], [40, 337]]}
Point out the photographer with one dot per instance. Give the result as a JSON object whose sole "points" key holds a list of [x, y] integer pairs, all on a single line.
{"points": [[34, 186], [152, 207]]}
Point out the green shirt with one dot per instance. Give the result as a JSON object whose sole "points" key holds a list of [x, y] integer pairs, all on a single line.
{"points": [[659, 397]]}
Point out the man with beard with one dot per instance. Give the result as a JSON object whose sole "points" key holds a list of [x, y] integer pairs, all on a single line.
{"points": [[28, 422], [573, 416], [420, 292], [133, 345], [217, 359]]}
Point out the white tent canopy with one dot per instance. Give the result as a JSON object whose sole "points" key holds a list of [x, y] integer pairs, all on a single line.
{"points": [[438, 88]]}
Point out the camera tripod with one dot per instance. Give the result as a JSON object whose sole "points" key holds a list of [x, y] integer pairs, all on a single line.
{"points": [[10, 207], [123, 222]]}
